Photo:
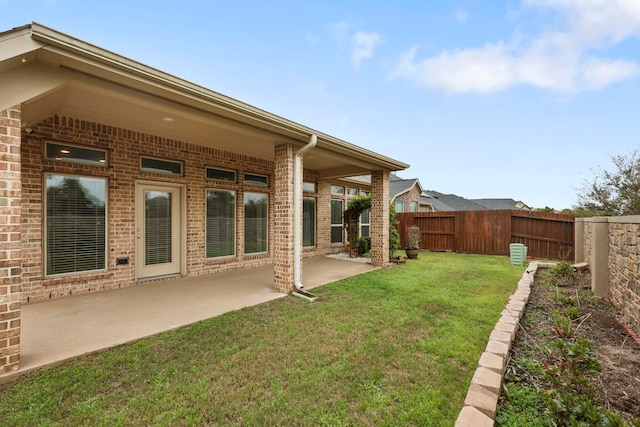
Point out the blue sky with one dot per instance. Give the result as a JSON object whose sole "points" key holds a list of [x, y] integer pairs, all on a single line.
{"points": [[522, 99]]}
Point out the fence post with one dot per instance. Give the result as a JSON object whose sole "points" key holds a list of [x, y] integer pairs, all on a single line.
{"points": [[579, 240], [600, 256]]}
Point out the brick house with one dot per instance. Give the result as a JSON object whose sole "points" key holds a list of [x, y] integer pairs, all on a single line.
{"points": [[405, 195], [113, 173]]}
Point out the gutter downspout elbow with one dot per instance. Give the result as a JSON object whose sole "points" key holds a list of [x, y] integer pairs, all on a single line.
{"points": [[297, 208]]}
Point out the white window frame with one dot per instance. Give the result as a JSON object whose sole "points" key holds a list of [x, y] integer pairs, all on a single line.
{"points": [[67, 148], [336, 225], [266, 195], [315, 222], [235, 175], [161, 171], [46, 240], [234, 220]]}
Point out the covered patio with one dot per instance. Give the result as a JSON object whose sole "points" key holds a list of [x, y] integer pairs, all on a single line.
{"points": [[100, 320]]}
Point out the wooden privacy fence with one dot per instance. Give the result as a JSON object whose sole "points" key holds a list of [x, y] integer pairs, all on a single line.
{"points": [[546, 235]]}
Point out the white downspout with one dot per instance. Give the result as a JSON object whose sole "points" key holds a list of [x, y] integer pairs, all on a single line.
{"points": [[297, 209]]}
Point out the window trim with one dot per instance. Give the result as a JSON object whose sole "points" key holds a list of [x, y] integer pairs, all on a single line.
{"points": [[235, 174], [337, 193], [352, 189], [161, 171], [309, 183], [315, 222], [256, 184], [62, 144], [45, 237], [336, 225], [235, 224], [244, 220], [399, 204], [365, 224]]}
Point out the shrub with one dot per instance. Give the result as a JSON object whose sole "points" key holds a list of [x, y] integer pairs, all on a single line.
{"points": [[364, 245], [564, 273]]}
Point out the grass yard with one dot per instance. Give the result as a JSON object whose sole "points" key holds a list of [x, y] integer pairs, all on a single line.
{"points": [[396, 346]]}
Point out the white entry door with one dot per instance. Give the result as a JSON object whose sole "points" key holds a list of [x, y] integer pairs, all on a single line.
{"points": [[158, 230]]}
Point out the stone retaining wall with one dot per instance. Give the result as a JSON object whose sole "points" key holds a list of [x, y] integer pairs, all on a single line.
{"points": [[614, 260]]}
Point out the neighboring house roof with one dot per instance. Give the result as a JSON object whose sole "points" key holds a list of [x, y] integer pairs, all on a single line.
{"points": [[449, 202], [495, 204], [399, 186], [50, 73]]}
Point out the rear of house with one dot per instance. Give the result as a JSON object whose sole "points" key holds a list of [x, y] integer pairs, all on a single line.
{"points": [[115, 173]]}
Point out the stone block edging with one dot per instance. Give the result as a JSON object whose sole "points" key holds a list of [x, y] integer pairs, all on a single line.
{"points": [[481, 403]]}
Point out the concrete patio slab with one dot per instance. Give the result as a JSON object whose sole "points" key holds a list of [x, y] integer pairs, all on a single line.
{"points": [[55, 330]]}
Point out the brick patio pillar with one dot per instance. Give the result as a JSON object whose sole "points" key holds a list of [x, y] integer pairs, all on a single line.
{"points": [[379, 218], [283, 268], [10, 240]]}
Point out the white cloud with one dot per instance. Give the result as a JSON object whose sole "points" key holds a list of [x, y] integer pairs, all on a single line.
{"points": [[363, 45], [561, 60], [598, 74]]}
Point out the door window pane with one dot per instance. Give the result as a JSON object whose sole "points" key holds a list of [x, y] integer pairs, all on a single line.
{"points": [[157, 220], [75, 222], [255, 223], [308, 222], [221, 223]]}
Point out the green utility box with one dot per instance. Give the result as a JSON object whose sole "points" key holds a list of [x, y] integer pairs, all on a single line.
{"points": [[518, 253]]}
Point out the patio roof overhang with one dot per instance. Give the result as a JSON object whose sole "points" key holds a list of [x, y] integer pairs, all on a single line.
{"points": [[50, 73]]}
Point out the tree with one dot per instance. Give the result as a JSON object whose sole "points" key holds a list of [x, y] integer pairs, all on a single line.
{"points": [[614, 192]]}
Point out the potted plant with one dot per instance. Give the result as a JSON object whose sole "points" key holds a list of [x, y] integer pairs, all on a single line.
{"points": [[413, 240]]}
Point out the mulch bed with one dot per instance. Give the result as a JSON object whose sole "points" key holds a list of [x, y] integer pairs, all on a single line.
{"points": [[618, 381]]}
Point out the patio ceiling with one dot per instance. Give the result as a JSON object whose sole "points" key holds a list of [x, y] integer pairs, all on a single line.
{"points": [[50, 73]]}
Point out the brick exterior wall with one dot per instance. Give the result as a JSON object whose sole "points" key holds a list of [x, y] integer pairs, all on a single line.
{"points": [[623, 266], [380, 218], [125, 148], [10, 240], [412, 195]]}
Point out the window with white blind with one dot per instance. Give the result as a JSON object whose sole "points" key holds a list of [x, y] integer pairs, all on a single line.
{"points": [[337, 213], [365, 223], [221, 223], [75, 223], [308, 222], [158, 237], [255, 222]]}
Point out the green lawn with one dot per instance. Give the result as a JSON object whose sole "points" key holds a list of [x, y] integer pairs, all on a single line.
{"points": [[396, 346]]}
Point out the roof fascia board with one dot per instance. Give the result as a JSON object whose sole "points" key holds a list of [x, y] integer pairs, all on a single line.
{"points": [[24, 83], [17, 43], [342, 172]]}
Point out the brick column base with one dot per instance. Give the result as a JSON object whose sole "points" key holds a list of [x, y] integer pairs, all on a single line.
{"points": [[10, 239]]}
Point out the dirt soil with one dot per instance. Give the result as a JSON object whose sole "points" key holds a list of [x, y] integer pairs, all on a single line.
{"points": [[618, 382]]}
